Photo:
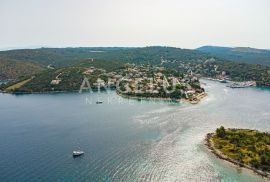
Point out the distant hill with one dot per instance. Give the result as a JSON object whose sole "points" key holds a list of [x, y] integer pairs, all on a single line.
{"points": [[12, 69], [31, 60], [207, 61], [152, 55], [239, 54], [46, 56], [59, 57], [67, 56]]}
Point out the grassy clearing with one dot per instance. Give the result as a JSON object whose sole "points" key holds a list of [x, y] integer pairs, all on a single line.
{"points": [[17, 85]]}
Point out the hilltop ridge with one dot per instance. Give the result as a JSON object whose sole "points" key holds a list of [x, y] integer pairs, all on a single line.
{"points": [[239, 54]]}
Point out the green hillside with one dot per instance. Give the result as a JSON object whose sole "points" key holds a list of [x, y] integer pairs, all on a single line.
{"points": [[70, 77], [67, 56], [239, 54], [181, 60], [12, 69]]}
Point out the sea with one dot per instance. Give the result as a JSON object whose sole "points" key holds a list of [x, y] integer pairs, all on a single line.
{"points": [[124, 139]]}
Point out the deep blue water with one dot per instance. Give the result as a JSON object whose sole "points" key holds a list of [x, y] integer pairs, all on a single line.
{"points": [[123, 140]]}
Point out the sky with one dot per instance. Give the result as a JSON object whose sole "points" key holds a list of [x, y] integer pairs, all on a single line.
{"points": [[134, 23]]}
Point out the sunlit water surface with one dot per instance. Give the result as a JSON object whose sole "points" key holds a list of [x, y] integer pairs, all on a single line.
{"points": [[123, 140]]}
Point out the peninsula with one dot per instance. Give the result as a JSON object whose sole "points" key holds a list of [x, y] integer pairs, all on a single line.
{"points": [[243, 147]]}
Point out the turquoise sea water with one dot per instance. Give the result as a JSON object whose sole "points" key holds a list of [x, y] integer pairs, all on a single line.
{"points": [[123, 140]]}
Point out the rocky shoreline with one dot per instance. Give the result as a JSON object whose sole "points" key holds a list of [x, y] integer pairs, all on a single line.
{"points": [[210, 145]]}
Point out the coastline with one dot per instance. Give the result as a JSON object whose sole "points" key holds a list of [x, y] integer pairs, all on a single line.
{"points": [[210, 145], [198, 98], [45, 92], [53, 92]]}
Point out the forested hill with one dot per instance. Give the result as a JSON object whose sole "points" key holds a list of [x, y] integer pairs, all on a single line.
{"points": [[183, 60], [12, 69], [59, 57], [239, 54], [152, 55]]}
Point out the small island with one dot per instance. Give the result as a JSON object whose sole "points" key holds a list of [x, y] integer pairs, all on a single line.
{"points": [[243, 147]]}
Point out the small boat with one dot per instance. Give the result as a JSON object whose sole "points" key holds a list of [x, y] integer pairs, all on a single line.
{"points": [[222, 81], [76, 153], [99, 102], [236, 86]]}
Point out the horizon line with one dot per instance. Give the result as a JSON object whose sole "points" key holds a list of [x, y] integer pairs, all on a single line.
{"points": [[63, 47]]}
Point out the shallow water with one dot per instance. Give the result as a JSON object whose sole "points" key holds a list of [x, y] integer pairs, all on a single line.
{"points": [[123, 140]]}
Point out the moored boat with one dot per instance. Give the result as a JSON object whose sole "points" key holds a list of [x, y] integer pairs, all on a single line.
{"points": [[223, 81]]}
